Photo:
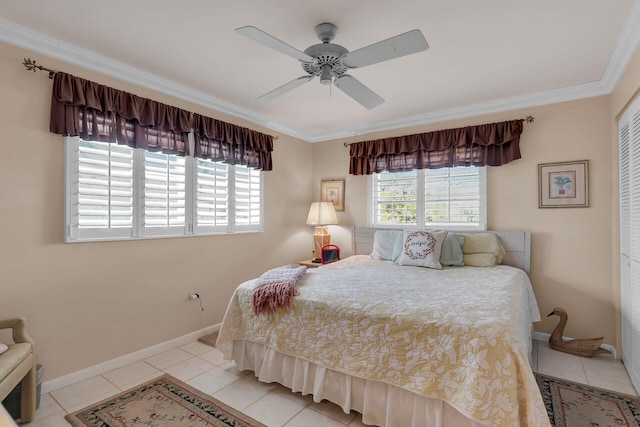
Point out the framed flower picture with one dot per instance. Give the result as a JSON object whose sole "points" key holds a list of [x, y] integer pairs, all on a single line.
{"points": [[563, 185], [333, 191]]}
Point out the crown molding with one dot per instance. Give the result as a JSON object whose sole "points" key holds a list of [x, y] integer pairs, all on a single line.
{"points": [[626, 46], [37, 42], [554, 96]]}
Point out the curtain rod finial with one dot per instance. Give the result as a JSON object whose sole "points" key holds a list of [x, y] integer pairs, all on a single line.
{"points": [[31, 65], [529, 119]]}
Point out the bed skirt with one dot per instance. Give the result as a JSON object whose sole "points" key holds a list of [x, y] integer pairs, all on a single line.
{"points": [[379, 403]]}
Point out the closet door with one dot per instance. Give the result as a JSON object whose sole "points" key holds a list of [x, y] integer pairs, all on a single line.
{"points": [[625, 237], [629, 144]]}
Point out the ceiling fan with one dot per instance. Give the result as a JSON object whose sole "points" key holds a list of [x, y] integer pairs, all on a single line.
{"points": [[331, 61]]}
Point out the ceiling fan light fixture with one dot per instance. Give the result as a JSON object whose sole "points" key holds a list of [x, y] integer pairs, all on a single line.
{"points": [[325, 75]]}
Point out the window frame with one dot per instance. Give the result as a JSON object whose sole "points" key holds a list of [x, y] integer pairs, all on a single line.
{"points": [[138, 231], [420, 223]]}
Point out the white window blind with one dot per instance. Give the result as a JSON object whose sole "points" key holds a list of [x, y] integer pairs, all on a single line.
{"points": [[247, 189], [164, 192], [212, 195], [99, 190], [447, 198], [395, 198], [116, 192], [452, 196]]}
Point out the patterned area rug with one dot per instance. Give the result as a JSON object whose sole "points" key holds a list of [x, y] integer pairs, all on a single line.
{"points": [[163, 402], [210, 339], [571, 404]]}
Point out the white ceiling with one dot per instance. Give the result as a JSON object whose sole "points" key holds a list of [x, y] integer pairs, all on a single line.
{"points": [[484, 56]]}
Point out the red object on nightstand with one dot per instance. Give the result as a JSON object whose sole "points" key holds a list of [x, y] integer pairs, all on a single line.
{"points": [[330, 253]]}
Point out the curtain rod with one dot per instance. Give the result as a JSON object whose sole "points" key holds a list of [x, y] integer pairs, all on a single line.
{"points": [[528, 119], [30, 65]]}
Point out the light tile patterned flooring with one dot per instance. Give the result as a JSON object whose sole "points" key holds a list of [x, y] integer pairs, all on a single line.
{"points": [[203, 367]]}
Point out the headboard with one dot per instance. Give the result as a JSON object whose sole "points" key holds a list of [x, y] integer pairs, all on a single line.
{"points": [[516, 243]]}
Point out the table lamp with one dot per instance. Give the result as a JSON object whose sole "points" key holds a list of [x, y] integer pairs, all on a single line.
{"points": [[321, 214]]}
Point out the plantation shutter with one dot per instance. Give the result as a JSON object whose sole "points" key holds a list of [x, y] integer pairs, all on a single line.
{"points": [[212, 196], [395, 198], [101, 177], [452, 196], [447, 198], [164, 192], [248, 206]]}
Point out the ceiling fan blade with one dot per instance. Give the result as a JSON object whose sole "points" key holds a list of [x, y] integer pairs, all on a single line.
{"points": [[395, 47], [284, 89], [268, 40], [356, 90]]}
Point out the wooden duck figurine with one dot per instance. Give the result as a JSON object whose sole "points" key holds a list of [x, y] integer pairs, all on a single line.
{"points": [[586, 347]]}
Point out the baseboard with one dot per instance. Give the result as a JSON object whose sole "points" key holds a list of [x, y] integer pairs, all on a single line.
{"points": [[101, 368], [543, 336]]}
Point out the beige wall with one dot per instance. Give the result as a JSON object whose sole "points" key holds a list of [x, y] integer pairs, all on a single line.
{"points": [[87, 303], [571, 263], [92, 302]]}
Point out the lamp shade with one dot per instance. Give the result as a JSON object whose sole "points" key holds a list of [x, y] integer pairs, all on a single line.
{"points": [[322, 213]]}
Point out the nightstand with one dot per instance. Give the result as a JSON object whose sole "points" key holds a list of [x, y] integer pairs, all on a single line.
{"points": [[309, 263]]}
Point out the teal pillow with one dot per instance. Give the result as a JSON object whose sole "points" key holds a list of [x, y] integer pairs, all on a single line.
{"points": [[397, 248], [451, 252]]}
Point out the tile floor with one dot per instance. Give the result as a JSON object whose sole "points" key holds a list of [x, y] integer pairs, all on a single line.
{"points": [[203, 367]]}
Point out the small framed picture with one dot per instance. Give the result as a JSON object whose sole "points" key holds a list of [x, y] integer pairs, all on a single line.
{"points": [[563, 185], [333, 191]]}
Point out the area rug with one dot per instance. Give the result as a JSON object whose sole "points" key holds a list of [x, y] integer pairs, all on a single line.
{"points": [[572, 404], [209, 339], [163, 402]]}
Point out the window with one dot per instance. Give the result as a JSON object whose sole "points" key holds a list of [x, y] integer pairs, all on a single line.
{"points": [[446, 198], [117, 192]]}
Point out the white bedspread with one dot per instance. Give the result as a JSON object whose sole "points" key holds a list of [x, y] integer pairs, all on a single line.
{"points": [[458, 334]]}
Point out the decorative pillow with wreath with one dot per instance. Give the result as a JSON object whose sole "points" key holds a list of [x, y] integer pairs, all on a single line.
{"points": [[422, 248]]}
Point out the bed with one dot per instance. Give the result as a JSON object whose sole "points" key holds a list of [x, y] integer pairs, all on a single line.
{"points": [[404, 346]]}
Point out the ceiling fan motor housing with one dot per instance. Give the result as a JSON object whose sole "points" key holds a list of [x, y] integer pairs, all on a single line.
{"points": [[326, 54]]}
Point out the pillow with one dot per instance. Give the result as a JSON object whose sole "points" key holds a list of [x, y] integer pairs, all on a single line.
{"points": [[383, 243], [451, 252], [481, 259], [483, 243], [397, 249], [421, 248], [3, 348]]}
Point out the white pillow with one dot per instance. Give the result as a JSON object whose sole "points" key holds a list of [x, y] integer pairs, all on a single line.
{"points": [[3, 348], [422, 248], [383, 243]]}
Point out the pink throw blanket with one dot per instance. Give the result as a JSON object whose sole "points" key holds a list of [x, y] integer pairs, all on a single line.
{"points": [[276, 288]]}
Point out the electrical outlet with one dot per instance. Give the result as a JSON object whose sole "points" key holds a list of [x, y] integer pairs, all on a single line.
{"points": [[193, 296]]}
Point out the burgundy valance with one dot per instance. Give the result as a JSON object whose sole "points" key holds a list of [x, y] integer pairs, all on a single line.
{"points": [[100, 113], [93, 111], [228, 143], [491, 144]]}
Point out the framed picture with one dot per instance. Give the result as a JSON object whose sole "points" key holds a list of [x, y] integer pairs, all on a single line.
{"points": [[333, 191], [563, 185]]}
